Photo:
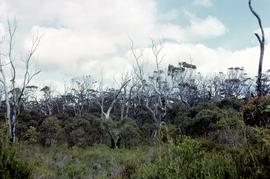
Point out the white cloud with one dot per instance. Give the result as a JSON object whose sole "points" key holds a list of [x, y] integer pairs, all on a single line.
{"points": [[205, 3], [205, 28], [209, 60], [89, 36], [170, 15], [2, 31]]}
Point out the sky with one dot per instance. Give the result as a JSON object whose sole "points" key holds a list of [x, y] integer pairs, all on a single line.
{"points": [[93, 37]]}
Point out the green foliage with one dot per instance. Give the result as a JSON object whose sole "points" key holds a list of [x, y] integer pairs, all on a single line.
{"points": [[31, 136], [203, 122], [4, 132], [259, 136], [188, 159], [233, 103], [259, 140], [202, 119], [24, 121], [89, 162], [229, 130], [84, 131], [49, 130], [123, 133], [256, 111], [130, 133], [231, 121], [219, 144], [77, 131], [222, 123], [11, 164]]}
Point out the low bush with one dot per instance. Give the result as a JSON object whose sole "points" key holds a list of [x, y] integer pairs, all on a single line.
{"points": [[229, 130], [187, 159], [11, 164], [257, 111], [49, 131]]}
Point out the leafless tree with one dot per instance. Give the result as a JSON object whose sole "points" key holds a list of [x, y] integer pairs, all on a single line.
{"points": [[13, 103], [236, 84], [261, 39], [100, 98], [158, 90], [153, 92], [126, 98], [82, 88]]}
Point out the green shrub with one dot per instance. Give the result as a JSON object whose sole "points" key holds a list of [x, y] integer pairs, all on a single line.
{"points": [[130, 133], [259, 141], [232, 103], [25, 120], [203, 122], [49, 131], [188, 159], [229, 130], [200, 120], [11, 164], [85, 131], [4, 132], [257, 111], [77, 131], [31, 135]]}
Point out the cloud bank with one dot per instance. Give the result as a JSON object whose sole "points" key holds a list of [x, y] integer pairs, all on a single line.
{"points": [[90, 37]]}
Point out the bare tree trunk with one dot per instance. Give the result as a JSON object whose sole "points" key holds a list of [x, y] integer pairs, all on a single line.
{"points": [[108, 112], [123, 103], [129, 100], [49, 109], [14, 118], [13, 105], [122, 111], [152, 112], [261, 40]]}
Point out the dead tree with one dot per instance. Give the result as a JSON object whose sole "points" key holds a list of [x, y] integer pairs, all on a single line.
{"points": [[127, 96], [82, 88], [101, 99], [261, 40], [156, 103], [130, 97], [13, 104], [152, 93]]}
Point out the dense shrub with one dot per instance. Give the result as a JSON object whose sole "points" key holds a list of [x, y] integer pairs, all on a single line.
{"points": [[77, 131], [130, 133], [257, 111], [187, 159], [31, 135], [123, 133], [86, 130], [233, 103], [259, 146], [199, 120], [203, 122], [229, 130], [49, 131], [11, 164], [25, 120]]}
